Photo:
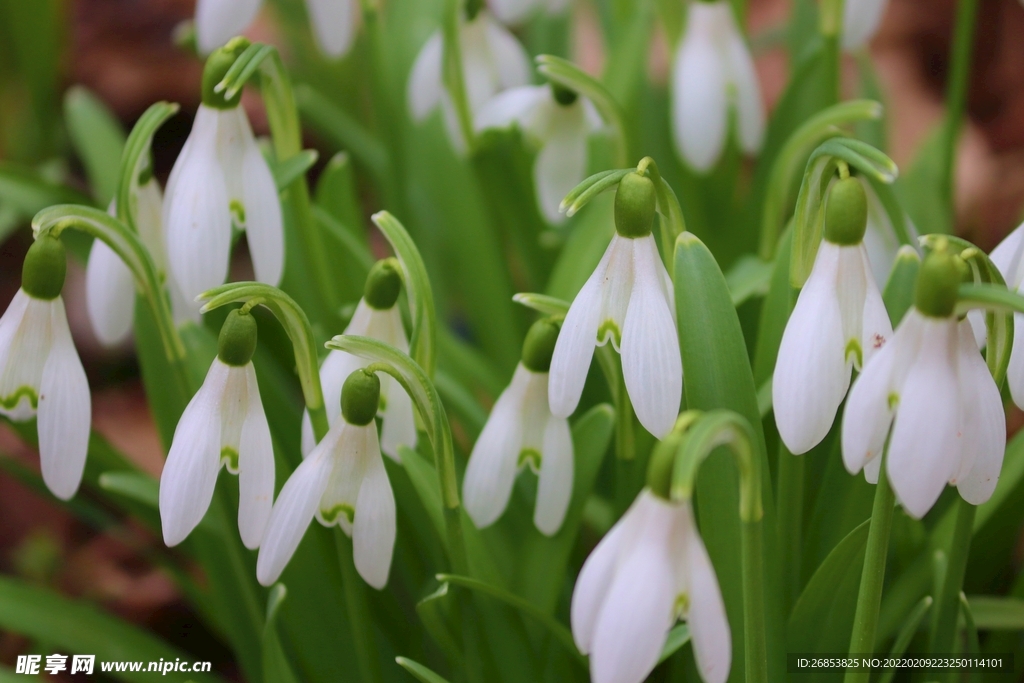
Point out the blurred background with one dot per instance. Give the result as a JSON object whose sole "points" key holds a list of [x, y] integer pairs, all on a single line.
{"points": [[123, 52]]}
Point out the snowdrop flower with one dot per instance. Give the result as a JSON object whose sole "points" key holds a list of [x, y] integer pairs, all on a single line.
{"points": [[522, 431], [838, 323], [220, 179], [513, 12], [860, 21], [629, 301], [223, 424], [40, 373], [713, 69], [560, 121], [377, 316], [492, 61], [333, 22], [932, 386], [342, 482], [649, 570]]}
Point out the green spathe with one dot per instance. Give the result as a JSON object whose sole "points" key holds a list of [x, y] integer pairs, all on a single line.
{"points": [[383, 285], [46, 264], [635, 202], [846, 214], [360, 397], [540, 344], [217, 66], [937, 282], [237, 340]]}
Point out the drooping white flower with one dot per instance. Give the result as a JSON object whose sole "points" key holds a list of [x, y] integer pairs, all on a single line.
{"points": [[838, 323], [223, 424], [514, 12], [220, 179], [41, 374], [342, 482], [520, 432], [333, 22], [649, 570], [713, 71], [861, 19], [492, 61], [629, 301], [932, 386], [560, 122]]}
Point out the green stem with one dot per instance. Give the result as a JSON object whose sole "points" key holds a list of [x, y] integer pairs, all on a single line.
{"points": [[869, 599], [956, 93], [831, 23], [453, 77], [948, 602], [756, 653], [625, 431], [358, 611], [790, 494]]}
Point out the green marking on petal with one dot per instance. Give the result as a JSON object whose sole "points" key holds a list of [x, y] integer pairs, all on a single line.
{"points": [[682, 605], [609, 329], [331, 516], [894, 400], [531, 457], [853, 347], [11, 402], [237, 212], [229, 458]]}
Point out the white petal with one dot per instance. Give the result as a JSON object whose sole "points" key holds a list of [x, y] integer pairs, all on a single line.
{"points": [[491, 471], [983, 426], [334, 24], [510, 59], [373, 534], [149, 220], [880, 239], [554, 487], [109, 294], [514, 105], [976, 317], [560, 166], [591, 586], [425, 82], [513, 12], [190, 472], [264, 227], [217, 21], [291, 515], [255, 468], [923, 449], [811, 372], [1008, 257], [398, 426], [350, 447], [709, 626], [876, 327], [651, 365], [699, 100], [860, 21], [65, 411], [749, 107], [25, 341], [1015, 370], [871, 470]]}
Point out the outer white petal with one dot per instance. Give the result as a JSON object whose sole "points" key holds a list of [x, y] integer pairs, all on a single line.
{"points": [[398, 426], [923, 449], [190, 472], [592, 584], [1008, 257], [709, 626], [699, 99], [264, 227], [217, 21], [255, 468], [561, 164], [513, 12], [292, 513], [425, 83], [651, 365], [871, 470], [10, 324], [750, 108], [109, 294], [983, 427], [334, 24], [335, 370], [811, 372], [511, 61], [25, 340], [373, 533], [860, 21], [880, 239], [876, 327], [554, 487], [65, 411], [1015, 370], [149, 220], [513, 105], [491, 471]]}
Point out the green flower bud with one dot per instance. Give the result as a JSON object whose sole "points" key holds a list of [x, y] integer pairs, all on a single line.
{"points": [[846, 214], [217, 66], [564, 96], [540, 344], [382, 285], [937, 283], [635, 202], [42, 274], [237, 340], [473, 8], [360, 397]]}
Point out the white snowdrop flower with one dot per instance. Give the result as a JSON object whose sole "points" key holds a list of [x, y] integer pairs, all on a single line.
{"points": [[557, 119], [40, 373], [333, 22], [629, 301], [492, 61], [932, 386], [342, 482], [515, 12], [377, 316], [713, 70], [861, 19], [220, 179], [838, 323], [649, 570], [223, 424], [520, 432]]}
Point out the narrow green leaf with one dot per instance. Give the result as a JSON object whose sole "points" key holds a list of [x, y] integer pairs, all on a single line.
{"points": [[276, 668], [677, 637], [542, 303], [136, 486], [98, 140], [136, 161], [973, 647], [749, 277], [778, 304], [27, 191], [906, 634], [997, 614], [898, 295], [288, 171], [435, 612], [421, 672]]}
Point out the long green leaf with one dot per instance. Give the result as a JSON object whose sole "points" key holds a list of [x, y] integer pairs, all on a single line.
{"points": [[421, 672], [997, 614], [98, 140]]}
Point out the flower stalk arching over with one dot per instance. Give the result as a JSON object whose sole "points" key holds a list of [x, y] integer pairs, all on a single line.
{"points": [[333, 22]]}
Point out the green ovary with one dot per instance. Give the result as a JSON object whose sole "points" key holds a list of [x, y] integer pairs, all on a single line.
{"points": [[531, 457], [331, 516]]}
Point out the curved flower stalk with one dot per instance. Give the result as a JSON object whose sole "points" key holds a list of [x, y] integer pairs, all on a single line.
{"points": [[932, 386], [342, 482], [514, 12], [521, 432], [377, 316], [492, 61], [41, 374], [628, 300], [560, 121], [861, 19], [334, 23], [220, 179], [713, 71], [839, 322]]}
